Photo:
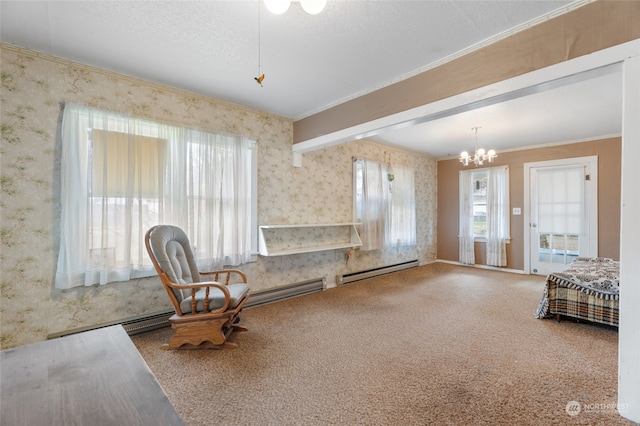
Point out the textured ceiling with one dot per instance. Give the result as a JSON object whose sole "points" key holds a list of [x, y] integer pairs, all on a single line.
{"points": [[310, 62]]}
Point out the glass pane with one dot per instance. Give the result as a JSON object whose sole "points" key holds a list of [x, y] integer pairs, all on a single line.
{"points": [[480, 203], [573, 247], [479, 219], [544, 252], [557, 248]]}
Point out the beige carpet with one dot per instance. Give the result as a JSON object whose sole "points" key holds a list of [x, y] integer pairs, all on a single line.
{"points": [[434, 345]]}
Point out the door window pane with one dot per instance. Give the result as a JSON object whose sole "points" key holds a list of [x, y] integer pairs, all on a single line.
{"points": [[558, 248]]}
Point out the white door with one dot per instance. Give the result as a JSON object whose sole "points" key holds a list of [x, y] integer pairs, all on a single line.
{"points": [[562, 214]]}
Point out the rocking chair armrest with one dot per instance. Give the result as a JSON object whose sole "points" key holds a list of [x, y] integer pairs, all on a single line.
{"points": [[199, 285], [219, 275], [204, 284]]}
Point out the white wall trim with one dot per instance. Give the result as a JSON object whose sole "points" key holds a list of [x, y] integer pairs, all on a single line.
{"points": [[629, 323]]}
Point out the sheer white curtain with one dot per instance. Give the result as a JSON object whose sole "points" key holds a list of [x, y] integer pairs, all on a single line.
{"points": [[121, 175], [402, 222], [497, 215], [466, 238], [218, 212], [385, 208], [371, 202]]}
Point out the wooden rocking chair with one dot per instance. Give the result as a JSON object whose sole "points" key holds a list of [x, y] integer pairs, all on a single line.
{"points": [[207, 312]]}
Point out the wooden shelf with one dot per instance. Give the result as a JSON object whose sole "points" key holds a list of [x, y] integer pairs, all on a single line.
{"points": [[283, 240]]}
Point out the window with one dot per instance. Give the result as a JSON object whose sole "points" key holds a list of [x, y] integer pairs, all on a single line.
{"points": [[484, 213], [122, 175], [479, 190], [384, 202]]}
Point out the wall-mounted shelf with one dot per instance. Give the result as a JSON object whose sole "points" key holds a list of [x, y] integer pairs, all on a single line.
{"points": [[282, 240]]}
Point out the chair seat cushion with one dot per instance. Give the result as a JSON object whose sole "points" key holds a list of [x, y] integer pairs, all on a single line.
{"points": [[216, 298]]}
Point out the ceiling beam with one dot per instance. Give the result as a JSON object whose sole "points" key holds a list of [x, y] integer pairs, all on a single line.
{"points": [[473, 78]]}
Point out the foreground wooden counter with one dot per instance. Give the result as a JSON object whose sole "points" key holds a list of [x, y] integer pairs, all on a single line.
{"points": [[92, 378]]}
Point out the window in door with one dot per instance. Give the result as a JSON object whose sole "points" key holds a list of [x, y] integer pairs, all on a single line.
{"points": [[560, 213]]}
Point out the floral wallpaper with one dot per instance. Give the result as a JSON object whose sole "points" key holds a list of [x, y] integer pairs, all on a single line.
{"points": [[35, 85]]}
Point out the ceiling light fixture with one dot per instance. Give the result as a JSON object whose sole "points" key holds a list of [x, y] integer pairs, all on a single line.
{"points": [[278, 7], [479, 156]]}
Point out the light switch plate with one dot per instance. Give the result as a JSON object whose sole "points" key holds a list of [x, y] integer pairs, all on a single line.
{"points": [[517, 211]]}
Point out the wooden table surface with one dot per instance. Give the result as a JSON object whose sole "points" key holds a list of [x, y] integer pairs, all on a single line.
{"points": [[93, 378]]}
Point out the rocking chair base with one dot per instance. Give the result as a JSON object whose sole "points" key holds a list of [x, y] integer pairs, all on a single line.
{"points": [[203, 334], [203, 345]]}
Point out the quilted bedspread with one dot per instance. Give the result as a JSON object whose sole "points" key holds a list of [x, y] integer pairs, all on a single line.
{"points": [[598, 277]]}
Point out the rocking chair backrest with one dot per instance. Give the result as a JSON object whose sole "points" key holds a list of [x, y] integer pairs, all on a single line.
{"points": [[173, 254]]}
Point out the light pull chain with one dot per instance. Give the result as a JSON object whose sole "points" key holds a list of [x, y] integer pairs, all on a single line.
{"points": [[260, 77]]}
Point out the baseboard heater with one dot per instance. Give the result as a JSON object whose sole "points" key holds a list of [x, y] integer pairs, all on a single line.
{"points": [[370, 273], [284, 292], [149, 322], [134, 325]]}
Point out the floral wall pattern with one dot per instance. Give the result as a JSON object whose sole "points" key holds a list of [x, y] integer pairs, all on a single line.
{"points": [[35, 85]]}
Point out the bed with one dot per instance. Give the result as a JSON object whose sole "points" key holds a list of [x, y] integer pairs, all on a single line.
{"points": [[587, 290]]}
